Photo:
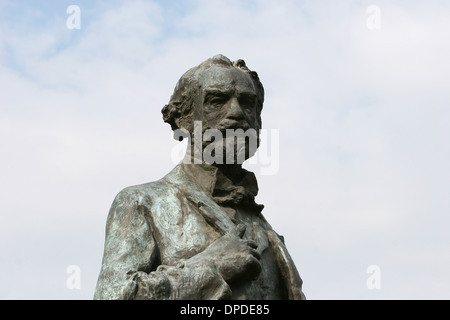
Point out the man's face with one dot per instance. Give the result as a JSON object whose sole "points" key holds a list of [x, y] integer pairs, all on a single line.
{"points": [[229, 102]]}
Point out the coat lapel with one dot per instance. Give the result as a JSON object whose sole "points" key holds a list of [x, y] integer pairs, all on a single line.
{"points": [[201, 201], [289, 272], [222, 223]]}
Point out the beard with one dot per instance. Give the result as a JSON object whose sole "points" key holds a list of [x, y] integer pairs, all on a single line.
{"points": [[225, 146], [229, 150]]}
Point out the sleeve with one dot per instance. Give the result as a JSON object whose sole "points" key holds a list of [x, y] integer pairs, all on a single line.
{"points": [[130, 267]]}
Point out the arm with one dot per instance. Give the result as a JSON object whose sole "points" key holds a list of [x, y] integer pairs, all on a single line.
{"points": [[130, 263]]}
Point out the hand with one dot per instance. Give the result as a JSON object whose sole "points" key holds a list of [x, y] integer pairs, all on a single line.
{"points": [[233, 256]]}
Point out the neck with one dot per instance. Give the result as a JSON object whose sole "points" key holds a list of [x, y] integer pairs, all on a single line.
{"points": [[206, 174], [229, 185], [232, 171]]}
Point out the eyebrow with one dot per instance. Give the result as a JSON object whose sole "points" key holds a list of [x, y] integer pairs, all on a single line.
{"points": [[218, 92], [228, 92], [251, 95]]}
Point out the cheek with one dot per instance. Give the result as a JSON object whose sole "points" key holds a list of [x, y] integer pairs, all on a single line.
{"points": [[212, 116], [258, 121], [252, 116], [254, 120]]}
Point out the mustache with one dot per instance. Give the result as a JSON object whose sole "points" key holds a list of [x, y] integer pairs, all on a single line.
{"points": [[233, 124]]}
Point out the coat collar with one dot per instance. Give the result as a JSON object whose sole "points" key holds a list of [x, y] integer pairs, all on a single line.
{"points": [[237, 190]]}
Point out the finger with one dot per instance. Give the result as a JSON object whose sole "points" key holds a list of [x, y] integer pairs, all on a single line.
{"points": [[253, 267], [255, 253], [239, 230], [252, 244]]}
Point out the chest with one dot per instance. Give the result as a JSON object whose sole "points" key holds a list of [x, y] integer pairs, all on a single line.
{"points": [[184, 227], [269, 285]]}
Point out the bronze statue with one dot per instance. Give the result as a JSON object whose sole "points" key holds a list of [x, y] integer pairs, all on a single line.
{"points": [[198, 233]]}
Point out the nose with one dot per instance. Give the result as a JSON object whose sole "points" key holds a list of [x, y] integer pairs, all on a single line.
{"points": [[234, 110]]}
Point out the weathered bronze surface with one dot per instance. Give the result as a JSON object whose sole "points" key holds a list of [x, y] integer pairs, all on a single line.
{"points": [[197, 233]]}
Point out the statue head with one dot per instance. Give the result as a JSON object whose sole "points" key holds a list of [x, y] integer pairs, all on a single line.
{"points": [[220, 94]]}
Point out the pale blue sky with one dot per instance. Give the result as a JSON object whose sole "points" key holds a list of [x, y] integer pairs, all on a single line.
{"points": [[362, 115]]}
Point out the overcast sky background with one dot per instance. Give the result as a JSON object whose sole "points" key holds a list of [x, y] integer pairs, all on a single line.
{"points": [[362, 116]]}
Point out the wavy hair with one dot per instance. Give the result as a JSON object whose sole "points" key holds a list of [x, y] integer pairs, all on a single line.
{"points": [[179, 111]]}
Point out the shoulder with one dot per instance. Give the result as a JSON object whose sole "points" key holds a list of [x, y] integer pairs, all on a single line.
{"points": [[132, 205], [142, 194], [149, 198]]}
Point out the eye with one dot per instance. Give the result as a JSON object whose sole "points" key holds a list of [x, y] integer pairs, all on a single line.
{"points": [[216, 99], [247, 103], [247, 100]]}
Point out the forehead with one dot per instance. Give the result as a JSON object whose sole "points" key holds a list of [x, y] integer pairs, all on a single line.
{"points": [[219, 78]]}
